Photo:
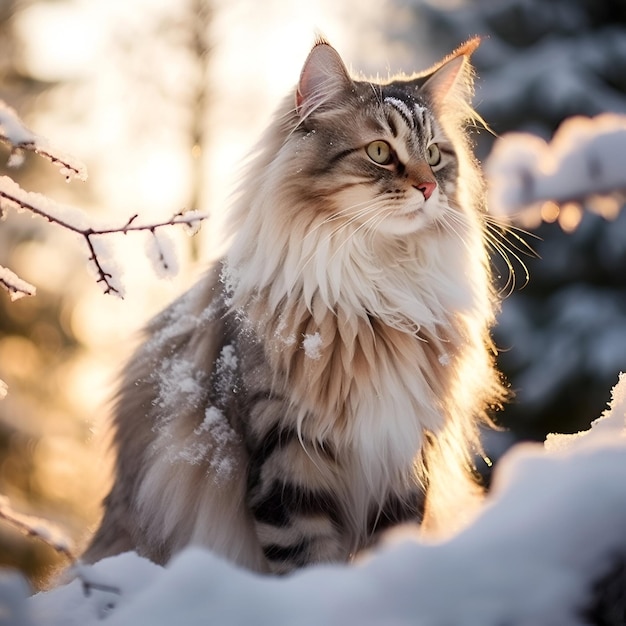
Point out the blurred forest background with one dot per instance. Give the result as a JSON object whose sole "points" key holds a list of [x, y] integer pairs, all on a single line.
{"points": [[161, 101]]}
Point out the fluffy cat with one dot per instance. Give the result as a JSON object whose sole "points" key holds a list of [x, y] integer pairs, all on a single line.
{"points": [[326, 380]]}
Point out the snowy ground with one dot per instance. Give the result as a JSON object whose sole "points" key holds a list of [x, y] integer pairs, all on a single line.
{"points": [[549, 530]]}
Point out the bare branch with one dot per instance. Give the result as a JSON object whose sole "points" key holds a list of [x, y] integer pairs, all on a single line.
{"points": [[80, 571], [14, 133], [38, 528]]}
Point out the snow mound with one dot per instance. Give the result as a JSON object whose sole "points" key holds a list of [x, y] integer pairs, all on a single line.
{"points": [[550, 529]]}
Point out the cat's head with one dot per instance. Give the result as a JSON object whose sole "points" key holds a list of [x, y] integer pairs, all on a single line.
{"points": [[353, 172], [379, 157]]}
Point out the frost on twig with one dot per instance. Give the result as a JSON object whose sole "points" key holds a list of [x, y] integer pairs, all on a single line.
{"points": [[17, 287], [12, 196], [20, 139], [37, 527], [584, 163]]}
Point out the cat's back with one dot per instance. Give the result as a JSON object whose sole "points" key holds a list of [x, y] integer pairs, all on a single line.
{"points": [[173, 427]]}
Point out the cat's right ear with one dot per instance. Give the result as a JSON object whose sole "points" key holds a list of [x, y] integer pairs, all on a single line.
{"points": [[324, 78]]}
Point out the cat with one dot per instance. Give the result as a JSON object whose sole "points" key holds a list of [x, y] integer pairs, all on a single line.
{"points": [[326, 380]]}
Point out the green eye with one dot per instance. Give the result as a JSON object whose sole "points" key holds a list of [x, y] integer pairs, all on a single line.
{"points": [[433, 155], [380, 152]]}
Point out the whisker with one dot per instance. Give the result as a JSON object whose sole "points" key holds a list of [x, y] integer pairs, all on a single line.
{"points": [[494, 235], [501, 230], [337, 215], [496, 239], [368, 207]]}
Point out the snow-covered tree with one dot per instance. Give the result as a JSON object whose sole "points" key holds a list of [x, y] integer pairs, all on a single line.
{"points": [[562, 333]]}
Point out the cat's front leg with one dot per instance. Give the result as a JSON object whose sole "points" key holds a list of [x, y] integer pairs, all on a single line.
{"points": [[294, 501]]}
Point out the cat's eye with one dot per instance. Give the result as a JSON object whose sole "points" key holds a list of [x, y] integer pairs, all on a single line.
{"points": [[433, 155], [380, 152]]}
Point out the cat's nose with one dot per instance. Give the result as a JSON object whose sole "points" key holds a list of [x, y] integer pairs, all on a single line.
{"points": [[427, 188]]}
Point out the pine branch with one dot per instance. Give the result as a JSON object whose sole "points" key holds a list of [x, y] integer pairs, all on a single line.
{"points": [[582, 165]]}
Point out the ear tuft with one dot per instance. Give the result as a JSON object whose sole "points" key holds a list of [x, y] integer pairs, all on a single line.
{"points": [[451, 80], [323, 79]]}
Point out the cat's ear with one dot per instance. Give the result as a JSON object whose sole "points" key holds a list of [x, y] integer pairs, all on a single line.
{"points": [[451, 80], [324, 78]]}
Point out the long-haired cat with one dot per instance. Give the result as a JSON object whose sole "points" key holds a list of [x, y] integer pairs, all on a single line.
{"points": [[326, 379]]}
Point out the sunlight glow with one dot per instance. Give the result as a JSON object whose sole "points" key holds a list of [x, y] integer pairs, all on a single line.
{"points": [[60, 43], [550, 211], [570, 216]]}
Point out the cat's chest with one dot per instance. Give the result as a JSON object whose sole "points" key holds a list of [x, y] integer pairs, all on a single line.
{"points": [[390, 413], [369, 388]]}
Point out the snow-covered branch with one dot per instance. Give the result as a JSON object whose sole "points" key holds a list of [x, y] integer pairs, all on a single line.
{"points": [[69, 218], [21, 139], [584, 163], [17, 287], [160, 249], [37, 527]]}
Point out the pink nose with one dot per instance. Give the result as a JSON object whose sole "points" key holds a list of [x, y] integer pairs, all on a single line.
{"points": [[427, 188]]}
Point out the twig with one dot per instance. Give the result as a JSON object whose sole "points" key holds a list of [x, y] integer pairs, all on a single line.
{"points": [[66, 166], [19, 138], [17, 287], [36, 527], [15, 196]]}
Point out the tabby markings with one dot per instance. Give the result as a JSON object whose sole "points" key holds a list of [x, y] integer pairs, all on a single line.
{"points": [[413, 114]]}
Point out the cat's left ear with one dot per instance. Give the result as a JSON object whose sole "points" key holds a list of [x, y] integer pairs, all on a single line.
{"points": [[451, 80], [324, 78]]}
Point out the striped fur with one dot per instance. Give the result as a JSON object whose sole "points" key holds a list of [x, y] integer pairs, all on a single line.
{"points": [[325, 381]]}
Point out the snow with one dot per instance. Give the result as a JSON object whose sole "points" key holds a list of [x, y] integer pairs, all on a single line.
{"points": [[12, 128], [611, 422], [180, 386], [585, 158], [36, 527], [105, 267], [13, 196], [94, 592], [312, 345], [222, 436], [161, 252], [16, 286], [289, 339], [548, 530], [13, 593]]}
